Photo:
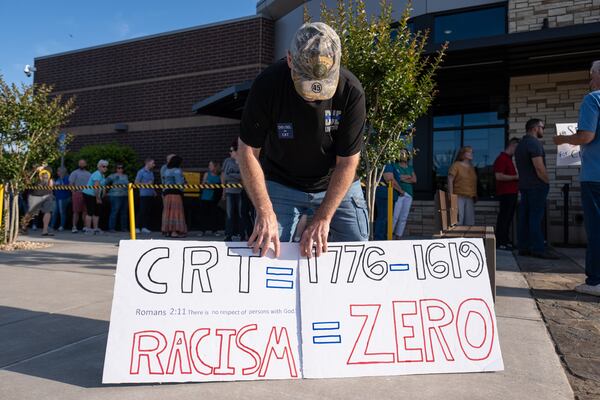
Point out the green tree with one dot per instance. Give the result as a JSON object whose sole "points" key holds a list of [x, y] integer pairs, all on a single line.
{"points": [[112, 152], [30, 122], [396, 74]]}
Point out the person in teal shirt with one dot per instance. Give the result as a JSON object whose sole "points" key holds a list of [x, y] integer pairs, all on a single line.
{"points": [[118, 199], [93, 198], [209, 199]]}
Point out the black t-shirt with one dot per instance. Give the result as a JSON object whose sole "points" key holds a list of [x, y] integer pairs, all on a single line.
{"points": [[299, 139], [528, 148]]}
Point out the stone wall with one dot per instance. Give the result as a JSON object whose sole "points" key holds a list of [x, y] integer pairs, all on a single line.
{"points": [[529, 15], [554, 98]]}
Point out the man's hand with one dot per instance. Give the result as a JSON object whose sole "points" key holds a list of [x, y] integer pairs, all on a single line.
{"points": [[265, 231], [316, 233], [558, 140]]}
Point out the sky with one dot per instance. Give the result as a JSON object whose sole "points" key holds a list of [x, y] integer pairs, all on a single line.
{"points": [[35, 28]]}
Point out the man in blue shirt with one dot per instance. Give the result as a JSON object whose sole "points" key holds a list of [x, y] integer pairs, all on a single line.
{"points": [[588, 137], [145, 175]]}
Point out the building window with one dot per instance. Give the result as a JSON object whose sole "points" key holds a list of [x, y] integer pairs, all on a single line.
{"points": [[470, 24], [484, 131]]}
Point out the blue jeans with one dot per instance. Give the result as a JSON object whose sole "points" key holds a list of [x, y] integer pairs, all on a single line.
{"points": [[350, 223], [531, 214], [381, 204], [118, 209], [233, 222], [590, 200], [60, 211]]}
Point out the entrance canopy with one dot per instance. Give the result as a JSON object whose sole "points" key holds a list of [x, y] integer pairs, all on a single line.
{"points": [[228, 103]]}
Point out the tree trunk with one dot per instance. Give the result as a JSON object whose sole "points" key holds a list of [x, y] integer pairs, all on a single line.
{"points": [[12, 230], [371, 189]]}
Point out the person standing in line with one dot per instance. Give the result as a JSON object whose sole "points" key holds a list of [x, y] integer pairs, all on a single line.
{"points": [[533, 187], [118, 199], [462, 181], [406, 178], [79, 177], [173, 216], [209, 198], [507, 188], [93, 198], [588, 137], [41, 200], [163, 169], [233, 196], [145, 176], [62, 199]]}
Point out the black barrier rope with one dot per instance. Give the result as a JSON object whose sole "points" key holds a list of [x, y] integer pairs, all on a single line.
{"points": [[145, 186]]}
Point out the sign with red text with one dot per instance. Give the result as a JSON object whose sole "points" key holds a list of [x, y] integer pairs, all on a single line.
{"points": [[398, 307], [212, 311], [567, 154], [188, 311]]}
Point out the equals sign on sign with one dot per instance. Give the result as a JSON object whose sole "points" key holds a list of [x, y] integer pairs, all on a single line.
{"points": [[276, 275], [326, 332]]}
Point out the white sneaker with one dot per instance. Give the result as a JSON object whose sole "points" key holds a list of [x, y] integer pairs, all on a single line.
{"points": [[200, 234], [144, 230], [137, 230], [60, 229], [88, 231], [74, 230], [594, 290], [98, 232]]}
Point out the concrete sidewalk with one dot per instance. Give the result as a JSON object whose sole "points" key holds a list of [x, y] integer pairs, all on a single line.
{"points": [[54, 311]]}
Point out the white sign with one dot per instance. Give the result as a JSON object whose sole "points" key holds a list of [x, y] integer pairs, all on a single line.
{"points": [[205, 311], [568, 154], [398, 307], [202, 311]]}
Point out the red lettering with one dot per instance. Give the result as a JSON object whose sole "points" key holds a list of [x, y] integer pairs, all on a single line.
{"points": [[406, 331], [225, 351], [435, 315], [147, 344], [180, 347], [370, 312], [255, 356], [467, 311], [280, 352], [200, 366]]}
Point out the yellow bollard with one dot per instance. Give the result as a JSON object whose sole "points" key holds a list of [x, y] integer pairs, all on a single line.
{"points": [[1, 203], [131, 211], [390, 210]]}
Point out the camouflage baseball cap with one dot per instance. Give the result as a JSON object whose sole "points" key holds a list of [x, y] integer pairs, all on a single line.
{"points": [[315, 54]]}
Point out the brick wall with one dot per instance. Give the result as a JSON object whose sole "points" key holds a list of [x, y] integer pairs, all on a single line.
{"points": [[155, 81], [528, 15], [197, 146], [204, 48], [554, 98], [170, 98], [421, 221]]}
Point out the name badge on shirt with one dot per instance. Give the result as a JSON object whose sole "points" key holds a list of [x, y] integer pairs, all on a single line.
{"points": [[285, 131]]}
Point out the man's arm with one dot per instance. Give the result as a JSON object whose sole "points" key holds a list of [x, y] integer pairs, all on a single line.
{"points": [[540, 169], [318, 230], [389, 177], [504, 177], [581, 137], [266, 229]]}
